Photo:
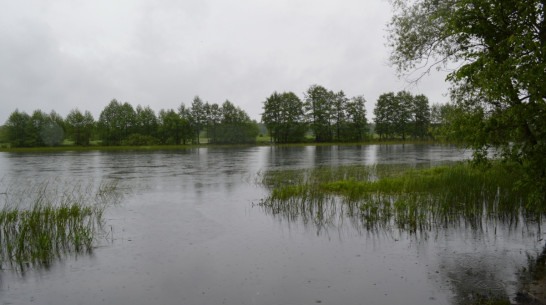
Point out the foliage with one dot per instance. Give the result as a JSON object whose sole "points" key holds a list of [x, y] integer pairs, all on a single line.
{"points": [[401, 115], [146, 123], [499, 84], [236, 127], [319, 107], [284, 118], [198, 116], [80, 126]]}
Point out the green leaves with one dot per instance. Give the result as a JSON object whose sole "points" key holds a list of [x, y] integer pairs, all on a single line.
{"points": [[499, 83]]}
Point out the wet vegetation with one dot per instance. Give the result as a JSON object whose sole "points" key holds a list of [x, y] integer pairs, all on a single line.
{"points": [[51, 219], [401, 197]]}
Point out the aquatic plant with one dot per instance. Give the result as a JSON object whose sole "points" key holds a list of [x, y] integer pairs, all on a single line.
{"points": [[406, 197], [41, 222]]}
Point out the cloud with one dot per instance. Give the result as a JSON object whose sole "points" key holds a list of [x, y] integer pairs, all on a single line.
{"points": [[80, 54]]}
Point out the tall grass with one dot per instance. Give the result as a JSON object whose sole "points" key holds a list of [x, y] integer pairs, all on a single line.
{"points": [[385, 196], [41, 222]]}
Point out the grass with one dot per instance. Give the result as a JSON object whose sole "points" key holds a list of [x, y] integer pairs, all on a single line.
{"points": [[48, 220], [409, 199], [260, 141]]}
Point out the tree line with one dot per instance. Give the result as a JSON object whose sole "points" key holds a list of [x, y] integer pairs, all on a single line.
{"points": [[121, 124], [321, 116]]}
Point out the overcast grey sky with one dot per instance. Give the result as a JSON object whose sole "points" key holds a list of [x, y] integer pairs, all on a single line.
{"points": [[65, 54]]}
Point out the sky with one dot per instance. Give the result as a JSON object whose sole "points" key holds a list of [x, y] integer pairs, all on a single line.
{"points": [[77, 54]]}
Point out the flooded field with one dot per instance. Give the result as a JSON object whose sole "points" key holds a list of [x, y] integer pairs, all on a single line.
{"points": [[189, 229]]}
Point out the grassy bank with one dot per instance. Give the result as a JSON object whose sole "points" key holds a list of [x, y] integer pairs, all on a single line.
{"points": [[192, 146], [411, 199], [48, 220]]}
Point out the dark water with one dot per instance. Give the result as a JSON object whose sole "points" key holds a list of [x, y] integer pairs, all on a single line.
{"points": [[187, 232]]}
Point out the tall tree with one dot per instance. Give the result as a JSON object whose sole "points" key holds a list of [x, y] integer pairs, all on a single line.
{"points": [[145, 121], [16, 129], [80, 126], [318, 105], [284, 117], [170, 127], [187, 131], [420, 116], [357, 124], [236, 126], [384, 115], [271, 116], [339, 108], [110, 123], [198, 116], [499, 83], [213, 118]]}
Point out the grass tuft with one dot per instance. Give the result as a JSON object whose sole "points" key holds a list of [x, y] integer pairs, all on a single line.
{"points": [[410, 199], [44, 222]]}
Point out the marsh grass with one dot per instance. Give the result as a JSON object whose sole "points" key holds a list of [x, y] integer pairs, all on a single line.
{"points": [[46, 220], [401, 196]]}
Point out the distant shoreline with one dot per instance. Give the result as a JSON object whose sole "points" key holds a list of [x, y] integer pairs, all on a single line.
{"points": [[191, 146]]}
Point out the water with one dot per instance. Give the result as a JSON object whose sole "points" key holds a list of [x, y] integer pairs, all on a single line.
{"points": [[187, 232]]}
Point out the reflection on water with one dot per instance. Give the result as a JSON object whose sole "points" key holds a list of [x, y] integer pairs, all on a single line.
{"points": [[188, 233]]}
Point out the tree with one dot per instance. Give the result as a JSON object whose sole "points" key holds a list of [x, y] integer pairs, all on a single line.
{"points": [[384, 115], [110, 123], [318, 106], [44, 129], [80, 126], [357, 124], [271, 116], [284, 118], [499, 84], [236, 127], [145, 121], [198, 116], [187, 132], [170, 127], [213, 119], [339, 114], [16, 129], [420, 116]]}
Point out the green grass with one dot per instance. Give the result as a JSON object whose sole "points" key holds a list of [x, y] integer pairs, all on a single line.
{"points": [[410, 199], [46, 221]]}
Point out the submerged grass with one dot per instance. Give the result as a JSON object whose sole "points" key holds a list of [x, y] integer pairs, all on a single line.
{"points": [[42, 222], [401, 196]]}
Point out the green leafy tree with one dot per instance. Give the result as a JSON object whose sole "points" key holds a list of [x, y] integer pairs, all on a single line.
{"points": [[384, 115], [170, 127], [110, 123], [284, 117], [213, 119], [339, 108], [402, 110], [187, 132], [236, 127], [127, 120], [16, 129], [198, 116], [44, 129], [271, 116], [357, 124], [319, 106], [145, 121], [420, 116], [80, 126], [499, 84]]}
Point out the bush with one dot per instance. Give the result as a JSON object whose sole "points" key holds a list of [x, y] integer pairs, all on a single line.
{"points": [[140, 140]]}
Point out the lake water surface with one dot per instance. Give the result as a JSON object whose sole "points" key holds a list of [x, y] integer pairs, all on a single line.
{"points": [[188, 231]]}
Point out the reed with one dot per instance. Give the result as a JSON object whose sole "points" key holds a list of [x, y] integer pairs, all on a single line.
{"points": [[48, 220], [401, 196]]}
